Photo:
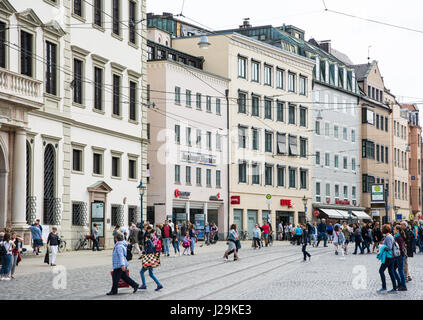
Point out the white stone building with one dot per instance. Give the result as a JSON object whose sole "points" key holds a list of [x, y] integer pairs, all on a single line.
{"points": [[72, 122]]}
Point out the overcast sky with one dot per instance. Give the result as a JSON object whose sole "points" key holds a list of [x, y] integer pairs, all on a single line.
{"points": [[399, 52]]}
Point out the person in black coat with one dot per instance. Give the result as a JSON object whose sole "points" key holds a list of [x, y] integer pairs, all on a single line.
{"points": [[305, 242]]}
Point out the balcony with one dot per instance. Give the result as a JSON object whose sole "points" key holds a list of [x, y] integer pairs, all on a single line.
{"points": [[20, 89]]}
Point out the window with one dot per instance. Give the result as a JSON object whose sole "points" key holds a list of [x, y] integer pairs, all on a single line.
{"points": [[382, 155], [268, 174], [381, 122], [303, 179], [317, 124], [317, 157], [377, 121], [303, 117], [268, 109], [336, 191], [115, 166], [116, 95], [177, 133], [368, 149], [218, 179], [345, 160], [345, 193], [336, 161], [280, 111], [98, 13], [26, 53], [255, 138], [218, 142], [255, 71], [132, 100], [198, 176], [117, 215], [292, 145], [3, 44], [354, 193], [97, 163], [280, 75], [267, 75], [327, 129], [352, 135], [78, 210], [268, 141], [242, 137], [281, 176], [367, 116], [377, 153], [255, 173], [242, 172], [255, 109], [367, 181], [318, 198], [386, 155], [77, 160], [292, 178], [291, 82], [303, 148], [132, 169], [98, 88], [291, 114], [341, 77], [208, 140], [242, 67], [198, 100], [281, 140], [188, 97], [208, 177], [242, 102], [303, 86], [132, 18], [198, 140], [77, 78], [218, 106], [353, 165], [188, 137], [386, 124], [327, 159], [177, 95], [116, 17], [51, 68], [208, 104], [336, 131], [188, 175], [327, 192], [345, 134]]}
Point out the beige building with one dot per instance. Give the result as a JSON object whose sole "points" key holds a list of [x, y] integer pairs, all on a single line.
{"points": [[400, 151], [270, 126]]}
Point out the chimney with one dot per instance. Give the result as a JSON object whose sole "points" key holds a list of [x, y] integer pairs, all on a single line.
{"points": [[325, 45], [246, 24]]}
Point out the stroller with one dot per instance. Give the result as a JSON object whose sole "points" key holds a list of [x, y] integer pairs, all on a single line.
{"points": [[213, 237]]}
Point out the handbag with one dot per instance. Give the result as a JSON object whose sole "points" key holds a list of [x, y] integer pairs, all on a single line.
{"points": [[150, 260], [122, 284], [47, 257], [238, 244]]}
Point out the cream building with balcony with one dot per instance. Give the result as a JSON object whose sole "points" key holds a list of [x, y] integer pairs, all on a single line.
{"points": [[270, 126], [72, 136]]}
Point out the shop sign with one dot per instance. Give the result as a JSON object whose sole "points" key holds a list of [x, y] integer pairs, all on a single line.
{"points": [[286, 202], [181, 216], [345, 202], [375, 213], [378, 193], [399, 216], [200, 158], [316, 213], [411, 216], [182, 194], [235, 200]]}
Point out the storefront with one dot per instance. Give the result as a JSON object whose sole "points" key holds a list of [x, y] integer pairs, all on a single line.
{"points": [[338, 213]]}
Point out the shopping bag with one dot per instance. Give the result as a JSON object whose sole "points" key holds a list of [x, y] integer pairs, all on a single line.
{"points": [[47, 257], [150, 260], [122, 284]]}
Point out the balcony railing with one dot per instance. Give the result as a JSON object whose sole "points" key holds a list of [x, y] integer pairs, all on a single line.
{"points": [[21, 89]]}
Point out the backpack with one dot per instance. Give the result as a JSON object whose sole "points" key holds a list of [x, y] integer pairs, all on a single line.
{"points": [[396, 250], [3, 250], [129, 252]]}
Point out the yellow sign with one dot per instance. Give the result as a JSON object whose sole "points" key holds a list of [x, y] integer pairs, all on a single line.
{"points": [[411, 216], [377, 188], [268, 196]]}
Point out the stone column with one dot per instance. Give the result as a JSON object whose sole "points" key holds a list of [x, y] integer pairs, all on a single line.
{"points": [[19, 182]]}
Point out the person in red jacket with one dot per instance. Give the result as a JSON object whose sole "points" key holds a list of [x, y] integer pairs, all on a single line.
{"points": [[266, 230], [166, 235]]}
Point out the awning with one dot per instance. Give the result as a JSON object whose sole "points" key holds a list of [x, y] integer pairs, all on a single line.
{"points": [[343, 213], [332, 213], [361, 215]]}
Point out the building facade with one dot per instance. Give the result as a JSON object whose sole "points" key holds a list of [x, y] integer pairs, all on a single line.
{"points": [[187, 152], [270, 116], [72, 122]]}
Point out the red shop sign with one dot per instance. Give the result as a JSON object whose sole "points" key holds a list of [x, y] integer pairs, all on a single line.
{"points": [[286, 202], [177, 193], [316, 213], [342, 202], [235, 200]]}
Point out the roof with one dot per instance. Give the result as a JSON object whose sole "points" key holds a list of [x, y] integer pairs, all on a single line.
{"points": [[362, 70], [411, 107], [341, 56]]}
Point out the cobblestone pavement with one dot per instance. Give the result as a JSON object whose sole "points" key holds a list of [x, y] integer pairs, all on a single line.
{"points": [[270, 273]]}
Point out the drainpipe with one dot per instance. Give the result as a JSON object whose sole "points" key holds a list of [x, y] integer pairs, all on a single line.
{"points": [[229, 156]]}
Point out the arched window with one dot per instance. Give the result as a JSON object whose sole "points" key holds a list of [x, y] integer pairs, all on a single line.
{"points": [[50, 214], [30, 199]]}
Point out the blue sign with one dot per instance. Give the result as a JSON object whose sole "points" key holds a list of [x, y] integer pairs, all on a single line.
{"points": [[305, 209], [413, 178], [399, 216], [388, 207]]}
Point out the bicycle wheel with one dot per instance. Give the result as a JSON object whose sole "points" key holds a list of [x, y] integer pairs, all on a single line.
{"points": [[78, 245], [62, 246]]}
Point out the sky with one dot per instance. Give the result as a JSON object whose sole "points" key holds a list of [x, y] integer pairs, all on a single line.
{"points": [[398, 52]]}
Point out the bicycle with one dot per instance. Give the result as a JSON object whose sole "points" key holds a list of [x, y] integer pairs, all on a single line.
{"points": [[243, 235], [82, 242], [62, 245]]}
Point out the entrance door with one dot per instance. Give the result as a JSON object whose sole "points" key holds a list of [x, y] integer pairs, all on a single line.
{"points": [[238, 219], [251, 222], [3, 188], [97, 217]]}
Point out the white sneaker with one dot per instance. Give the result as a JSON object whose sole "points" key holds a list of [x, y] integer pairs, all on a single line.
{"points": [[179, 253]]}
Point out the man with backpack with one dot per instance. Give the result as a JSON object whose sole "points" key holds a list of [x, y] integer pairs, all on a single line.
{"points": [[409, 246], [321, 228]]}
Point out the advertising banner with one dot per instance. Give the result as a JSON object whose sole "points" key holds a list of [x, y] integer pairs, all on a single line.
{"points": [[378, 193]]}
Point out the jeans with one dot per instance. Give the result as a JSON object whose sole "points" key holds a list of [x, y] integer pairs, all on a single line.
{"points": [[207, 237], [192, 244], [305, 253], [399, 276], [95, 244], [256, 242], [299, 239], [13, 264], [151, 274], [324, 236], [420, 244], [176, 246], [166, 245], [358, 245], [314, 239], [366, 245], [119, 274], [6, 261], [389, 264]]}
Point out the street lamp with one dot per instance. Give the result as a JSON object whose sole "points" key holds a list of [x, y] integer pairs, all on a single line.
{"points": [[305, 200], [204, 42], [141, 189], [350, 219]]}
